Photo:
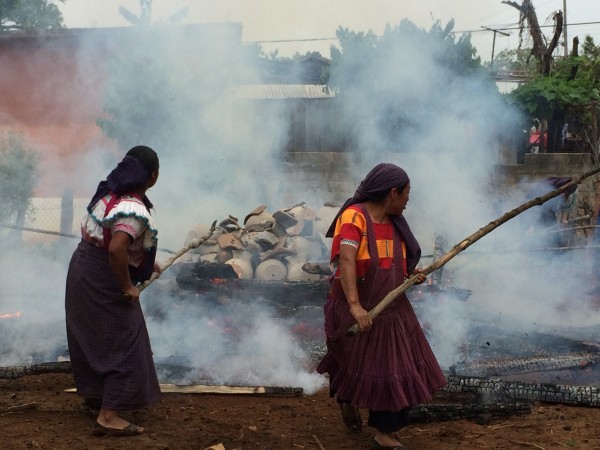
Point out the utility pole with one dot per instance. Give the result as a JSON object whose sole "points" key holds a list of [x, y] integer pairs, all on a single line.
{"points": [[494, 43], [565, 28]]}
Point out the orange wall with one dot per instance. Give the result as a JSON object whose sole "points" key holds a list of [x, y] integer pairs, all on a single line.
{"points": [[52, 94]]}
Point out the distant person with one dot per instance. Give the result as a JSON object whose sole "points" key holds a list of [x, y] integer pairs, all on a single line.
{"points": [[554, 214], [388, 367], [565, 134], [545, 226], [109, 346]]}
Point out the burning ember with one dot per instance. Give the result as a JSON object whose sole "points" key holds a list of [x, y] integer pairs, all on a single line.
{"points": [[10, 316]]}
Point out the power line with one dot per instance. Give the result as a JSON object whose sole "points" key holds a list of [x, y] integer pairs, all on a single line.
{"points": [[524, 28], [277, 41], [484, 30]]}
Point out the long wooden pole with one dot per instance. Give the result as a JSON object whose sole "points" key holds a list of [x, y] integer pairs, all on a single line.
{"points": [[468, 242], [194, 243]]}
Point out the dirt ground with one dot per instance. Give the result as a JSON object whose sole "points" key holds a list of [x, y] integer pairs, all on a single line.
{"points": [[47, 417]]}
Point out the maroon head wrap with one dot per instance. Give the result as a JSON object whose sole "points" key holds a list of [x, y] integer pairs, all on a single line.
{"points": [[375, 186]]}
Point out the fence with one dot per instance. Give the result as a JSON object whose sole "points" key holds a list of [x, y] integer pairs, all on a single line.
{"points": [[49, 219]]}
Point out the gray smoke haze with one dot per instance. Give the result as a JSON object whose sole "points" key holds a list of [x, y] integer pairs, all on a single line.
{"points": [[225, 159]]}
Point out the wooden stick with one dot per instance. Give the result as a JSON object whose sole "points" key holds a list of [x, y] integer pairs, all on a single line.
{"points": [[527, 444], [19, 408], [318, 442], [391, 296], [194, 243]]}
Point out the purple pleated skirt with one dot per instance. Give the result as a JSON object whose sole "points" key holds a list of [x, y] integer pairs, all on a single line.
{"points": [[109, 346]]}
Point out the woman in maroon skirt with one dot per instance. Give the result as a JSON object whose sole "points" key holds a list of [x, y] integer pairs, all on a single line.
{"points": [[109, 346], [388, 367]]}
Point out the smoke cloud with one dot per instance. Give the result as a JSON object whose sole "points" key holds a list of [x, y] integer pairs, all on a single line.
{"points": [[224, 157]]}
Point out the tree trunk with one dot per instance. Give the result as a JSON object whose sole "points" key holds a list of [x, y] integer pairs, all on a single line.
{"points": [[540, 50], [555, 126]]}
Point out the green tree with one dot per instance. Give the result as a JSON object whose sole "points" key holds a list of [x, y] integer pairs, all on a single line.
{"points": [[30, 15], [517, 59], [145, 15], [393, 83], [18, 170], [590, 49], [571, 91]]}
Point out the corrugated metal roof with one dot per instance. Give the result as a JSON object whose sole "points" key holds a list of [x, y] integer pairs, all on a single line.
{"points": [[281, 91]]}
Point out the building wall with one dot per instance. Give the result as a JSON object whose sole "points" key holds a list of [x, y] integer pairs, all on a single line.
{"points": [[53, 88], [52, 95]]}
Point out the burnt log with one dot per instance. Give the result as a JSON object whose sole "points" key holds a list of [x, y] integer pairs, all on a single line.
{"points": [[531, 364], [502, 390], [318, 268], [474, 411], [12, 372]]}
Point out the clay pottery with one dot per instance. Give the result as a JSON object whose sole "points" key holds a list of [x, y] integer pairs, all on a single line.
{"points": [[271, 270]]}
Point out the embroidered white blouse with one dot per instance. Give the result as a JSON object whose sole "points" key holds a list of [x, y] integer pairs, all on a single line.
{"points": [[129, 215]]}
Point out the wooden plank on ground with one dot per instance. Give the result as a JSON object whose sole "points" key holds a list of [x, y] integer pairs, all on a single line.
{"points": [[215, 389]]}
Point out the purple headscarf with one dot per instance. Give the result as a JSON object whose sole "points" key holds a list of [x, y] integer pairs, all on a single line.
{"points": [[378, 182], [558, 182], [129, 175]]}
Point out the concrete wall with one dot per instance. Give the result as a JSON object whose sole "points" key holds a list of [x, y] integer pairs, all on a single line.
{"points": [[323, 175], [328, 174], [543, 165]]}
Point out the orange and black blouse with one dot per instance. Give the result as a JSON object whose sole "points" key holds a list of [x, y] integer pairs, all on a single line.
{"points": [[351, 229]]}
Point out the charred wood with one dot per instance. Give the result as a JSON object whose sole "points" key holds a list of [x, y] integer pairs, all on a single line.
{"points": [[12, 372], [445, 412], [317, 268], [501, 390], [499, 367]]}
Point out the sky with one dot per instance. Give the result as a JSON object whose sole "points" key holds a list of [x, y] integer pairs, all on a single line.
{"points": [[277, 20]]}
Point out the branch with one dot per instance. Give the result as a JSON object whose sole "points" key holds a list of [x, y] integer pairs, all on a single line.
{"points": [[194, 243], [515, 5], [558, 18]]}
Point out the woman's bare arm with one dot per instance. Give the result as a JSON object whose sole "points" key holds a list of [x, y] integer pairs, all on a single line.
{"points": [[119, 263]]}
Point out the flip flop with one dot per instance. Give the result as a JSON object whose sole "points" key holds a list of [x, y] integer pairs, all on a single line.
{"points": [[129, 430]]}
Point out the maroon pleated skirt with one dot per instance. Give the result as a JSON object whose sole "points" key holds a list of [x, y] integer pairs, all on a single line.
{"points": [[388, 368]]}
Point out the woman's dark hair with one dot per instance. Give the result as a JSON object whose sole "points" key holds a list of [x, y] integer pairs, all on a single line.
{"points": [[379, 197], [146, 156]]}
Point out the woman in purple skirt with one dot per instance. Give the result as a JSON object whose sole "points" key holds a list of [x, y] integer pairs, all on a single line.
{"points": [[109, 346], [388, 367]]}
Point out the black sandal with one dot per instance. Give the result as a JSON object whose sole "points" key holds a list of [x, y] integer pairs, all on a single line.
{"points": [[351, 416], [129, 430]]}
